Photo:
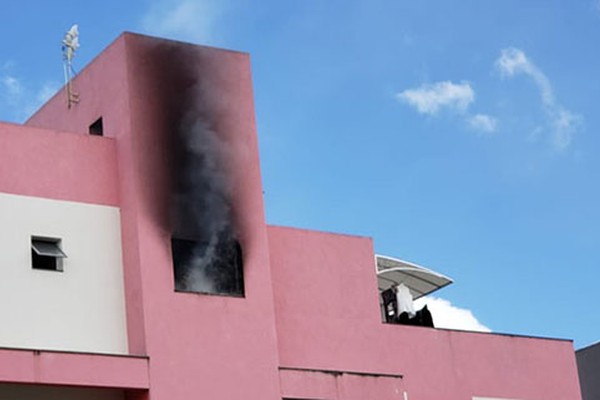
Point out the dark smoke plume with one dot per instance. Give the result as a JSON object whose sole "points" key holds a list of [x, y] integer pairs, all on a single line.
{"points": [[206, 252]]}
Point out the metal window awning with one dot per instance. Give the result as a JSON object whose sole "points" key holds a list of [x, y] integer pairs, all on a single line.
{"points": [[420, 280], [47, 248]]}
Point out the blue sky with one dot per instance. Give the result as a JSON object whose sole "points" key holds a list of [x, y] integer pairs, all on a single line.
{"points": [[460, 136]]}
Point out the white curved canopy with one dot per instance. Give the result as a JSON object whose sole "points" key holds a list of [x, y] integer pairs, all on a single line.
{"points": [[420, 280]]}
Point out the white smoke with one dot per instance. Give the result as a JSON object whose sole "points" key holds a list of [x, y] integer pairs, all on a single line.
{"points": [[205, 242], [196, 278], [446, 315], [203, 205]]}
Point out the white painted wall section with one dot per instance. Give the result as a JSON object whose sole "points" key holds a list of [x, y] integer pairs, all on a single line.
{"points": [[79, 309]]}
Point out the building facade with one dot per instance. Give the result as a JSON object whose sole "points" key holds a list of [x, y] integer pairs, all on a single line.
{"points": [[137, 263], [588, 365]]}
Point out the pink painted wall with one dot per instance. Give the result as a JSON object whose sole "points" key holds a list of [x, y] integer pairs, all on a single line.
{"points": [[328, 318], [73, 369], [199, 345], [334, 385], [58, 165], [216, 347]]}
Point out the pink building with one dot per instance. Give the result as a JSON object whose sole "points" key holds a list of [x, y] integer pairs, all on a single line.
{"points": [[137, 263]]}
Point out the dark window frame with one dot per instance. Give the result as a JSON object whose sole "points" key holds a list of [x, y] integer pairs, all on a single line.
{"points": [[47, 254], [224, 277], [97, 128]]}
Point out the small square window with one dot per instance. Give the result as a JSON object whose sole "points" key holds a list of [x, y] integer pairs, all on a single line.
{"points": [[46, 254], [97, 128]]}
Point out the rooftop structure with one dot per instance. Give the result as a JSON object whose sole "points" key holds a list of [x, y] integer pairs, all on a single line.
{"points": [[588, 365], [137, 263]]}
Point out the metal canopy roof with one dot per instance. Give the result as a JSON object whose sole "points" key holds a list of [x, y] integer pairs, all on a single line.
{"points": [[420, 280]]}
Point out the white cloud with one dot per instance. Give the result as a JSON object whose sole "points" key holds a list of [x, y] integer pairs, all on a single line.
{"points": [[192, 20], [18, 100], [565, 125], [514, 61], [47, 90], [12, 86], [430, 98], [36, 98], [483, 123], [562, 123], [446, 315], [11, 91]]}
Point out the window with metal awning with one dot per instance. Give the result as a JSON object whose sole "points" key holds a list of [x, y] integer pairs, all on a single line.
{"points": [[46, 254]]}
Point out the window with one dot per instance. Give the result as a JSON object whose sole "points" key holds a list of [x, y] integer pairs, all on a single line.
{"points": [[96, 128], [213, 267], [46, 254]]}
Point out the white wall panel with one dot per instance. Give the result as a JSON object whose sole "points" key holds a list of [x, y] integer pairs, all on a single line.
{"points": [[79, 309]]}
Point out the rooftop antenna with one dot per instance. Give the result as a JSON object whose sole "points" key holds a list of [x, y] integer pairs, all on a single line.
{"points": [[69, 45]]}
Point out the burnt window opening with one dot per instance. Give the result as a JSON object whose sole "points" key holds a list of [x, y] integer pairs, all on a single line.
{"points": [[46, 254], [97, 128], [209, 267]]}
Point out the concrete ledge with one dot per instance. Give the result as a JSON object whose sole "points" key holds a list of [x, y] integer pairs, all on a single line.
{"points": [[73, 369], [303, 383]]}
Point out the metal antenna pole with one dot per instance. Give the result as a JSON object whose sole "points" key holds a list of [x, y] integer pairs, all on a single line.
{"points": [[70, 45]]}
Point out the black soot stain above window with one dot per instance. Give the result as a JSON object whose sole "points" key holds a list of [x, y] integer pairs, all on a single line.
{"points": [[207, 256]]}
